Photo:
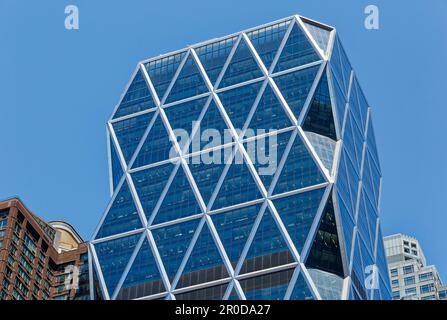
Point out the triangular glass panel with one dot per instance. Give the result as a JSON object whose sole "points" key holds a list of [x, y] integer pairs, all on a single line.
{"points": [[346, 65], [208, 293], [319, 117], [238, 185], [117, 170], [204, 264], [113, 257], [357, 274], [347, 224], [299, 170], [268, 248], [149, 184], [137, 98], [363, 103], [162, 71], [266, 153], [353, 183], [189, 82], [269, 114], [182, 118], [122, 215], [172, 242], [363, 224], [372, 147], [324, 147], [143, 278], [343, 183], [266, 41], [271, 286], [337, 68], [179, 201], [129, 133], [212, 131], [213, 56], [325, 252], [301, 291], [298, 213], [354, 107], [297, 51], [206, 169], [349, 142], [340, 100], [319, 33], [157, 147], [329, 285], [238, 102], [234, 227], [242, 67], [295, 87]]}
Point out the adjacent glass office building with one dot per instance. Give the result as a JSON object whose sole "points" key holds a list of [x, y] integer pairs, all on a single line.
{"points": [[179, 226]]}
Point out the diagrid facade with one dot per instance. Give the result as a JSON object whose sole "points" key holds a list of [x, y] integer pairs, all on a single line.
{"points": [[244, 167]]}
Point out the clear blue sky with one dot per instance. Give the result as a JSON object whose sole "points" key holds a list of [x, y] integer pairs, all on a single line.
{"points": [[58, 88]]}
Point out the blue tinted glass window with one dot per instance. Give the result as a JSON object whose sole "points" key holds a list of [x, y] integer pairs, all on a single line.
{"points": [[324, 147], [271, 286], [297, 212], [295, 87], [204, 264], [238, 185], [320, 35], [328, 285], [122, 215], [347, 223], [299, 170], [340, 100], [162, 71], [238, 102], [117, 171], [372, 147], [157, 147], [266, 153], [150, 184], [353, 182], [319, 117], [363, 224], [137, 97], [182, 117], [301, 291], [354, 107], [343, 184], [129, 133], [179, 202], [206, 171], [297, 51], [242, 67], [267, 40], [172, 242], [269, 114], [234, 228], [213, 56], [143, 278], [349, 143], [189, 82], [268, 248], [208, 293], [113, 256], [346, 65], [337, 68], [213, 130]]}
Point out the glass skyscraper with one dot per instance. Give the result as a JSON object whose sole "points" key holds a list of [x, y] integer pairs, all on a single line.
{"points": [[304, 224]]}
